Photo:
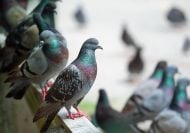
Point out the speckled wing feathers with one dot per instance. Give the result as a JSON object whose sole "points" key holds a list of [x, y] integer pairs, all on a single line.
{"points": [[66, 84]]}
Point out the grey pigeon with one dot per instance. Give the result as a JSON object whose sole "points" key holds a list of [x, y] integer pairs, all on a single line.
{"points": [[186, 45], [110, 120], [175, 119], [146, 87], [146, 108], [71, 85], [45, 62], [127, 38], [80, 16], [136, 65], [176, 16], [20, 41]]}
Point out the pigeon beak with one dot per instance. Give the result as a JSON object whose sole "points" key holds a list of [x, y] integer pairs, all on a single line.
{"points": [[99, 47]]}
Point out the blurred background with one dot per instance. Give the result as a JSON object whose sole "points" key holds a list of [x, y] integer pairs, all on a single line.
{"points": [[145, 20]]}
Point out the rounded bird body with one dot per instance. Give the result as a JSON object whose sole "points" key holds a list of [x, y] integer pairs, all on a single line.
{"points": [[149, 106], [176, 16], [147, 87], [175, 119], [110, 120]]}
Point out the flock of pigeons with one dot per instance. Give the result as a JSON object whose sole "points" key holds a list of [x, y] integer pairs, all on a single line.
{"points": [[35, 51]]}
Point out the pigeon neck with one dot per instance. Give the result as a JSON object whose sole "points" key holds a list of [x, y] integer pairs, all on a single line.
{"points": [[87, 57], [158, 74], [167, 81], [40, 7], [180, 97], [53, 46], [103, 99]]}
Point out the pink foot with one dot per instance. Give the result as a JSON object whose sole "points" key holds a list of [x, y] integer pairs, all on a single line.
{"points": [[71, 116], [79, 113], [44, 92], [49, 83]]}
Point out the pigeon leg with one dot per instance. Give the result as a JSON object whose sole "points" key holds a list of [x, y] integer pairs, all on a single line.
{"points": [[44, 92], [79, 113], [49, 83]]}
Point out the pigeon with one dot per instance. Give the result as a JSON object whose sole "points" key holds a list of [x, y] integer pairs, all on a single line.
{"points": [[146, 108], [20, 41], [45, 62], [168, 121], [176, 118], [136, 65], [148, 86], [186, 45], [11, 14], [127, 38], [110, 120], [176, 16], [71, 85], [80, 16]]}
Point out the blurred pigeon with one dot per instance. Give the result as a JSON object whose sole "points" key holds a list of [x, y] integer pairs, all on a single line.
{"points": [[127, 38], [80, 16], [110, 120], [71, 85], [11, 14], [176, 119], [168, 121], [20, 41], [176, 16], [186, 45], [136, 65], [160, 98], [148, 86], [45, 62]]}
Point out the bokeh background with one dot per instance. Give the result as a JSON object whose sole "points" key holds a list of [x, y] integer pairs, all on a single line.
{"points": [[145, 20]]}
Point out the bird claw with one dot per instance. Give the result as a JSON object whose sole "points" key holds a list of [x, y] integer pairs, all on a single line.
{"points": [[71, 116], [44, 93], [49, 83]]}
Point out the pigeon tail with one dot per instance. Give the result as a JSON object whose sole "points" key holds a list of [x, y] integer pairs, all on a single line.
{"points": [[18, 88]]}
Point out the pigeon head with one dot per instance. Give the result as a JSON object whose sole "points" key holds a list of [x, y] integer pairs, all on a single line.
{"points": [[46, 34], [179, 101], [91, 44], [161, 65], [172, 69], [103, 98], [51, 6], [183, 82]]}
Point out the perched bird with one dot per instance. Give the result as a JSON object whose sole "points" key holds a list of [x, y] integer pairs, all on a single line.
{"points": [[127, 38], [20, 41], [71, 85], [80, 16], [136, 65], [175, 119], [110, 120], [186, 45], [11, 14], [160, 98], [176, 16], [45, 62], [147, 87]]}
